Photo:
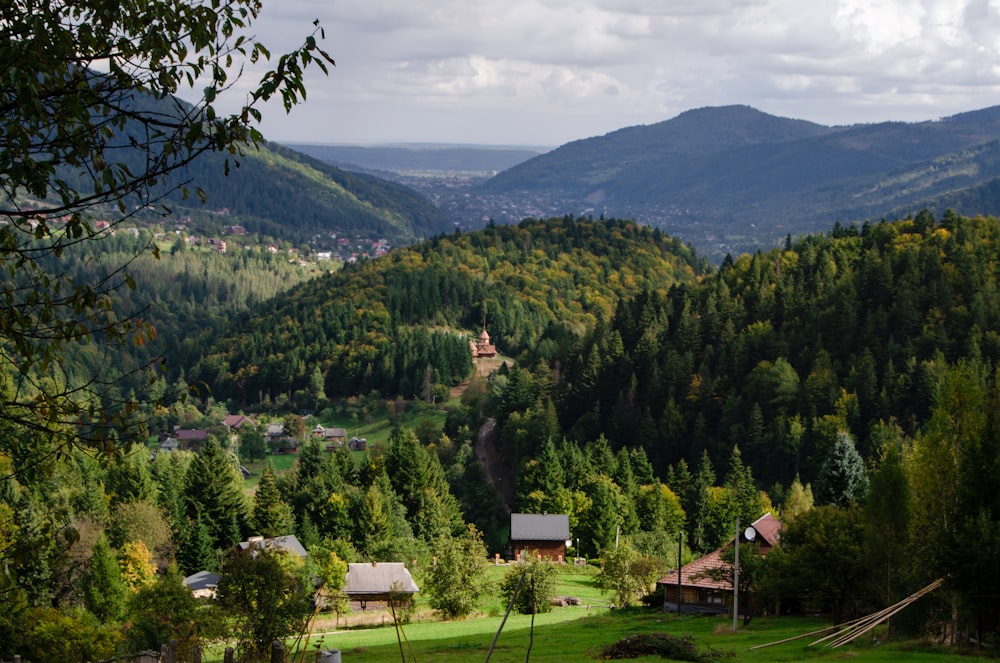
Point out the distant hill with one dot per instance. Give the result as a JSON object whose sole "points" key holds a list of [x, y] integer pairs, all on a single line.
{"points": [[735, 178], [283, 193], [415, 158], [379, 324]]}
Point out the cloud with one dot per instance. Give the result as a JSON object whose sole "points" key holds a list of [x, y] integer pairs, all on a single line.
{"points": [[567, 69]]}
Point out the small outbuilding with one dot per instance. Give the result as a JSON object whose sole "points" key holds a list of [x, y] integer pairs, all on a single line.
{"points": [[545, 535]]}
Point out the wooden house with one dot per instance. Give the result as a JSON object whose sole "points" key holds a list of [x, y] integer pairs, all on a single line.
{"points": [[379, 581], [542, 535], [289, 544], [704, 585]]}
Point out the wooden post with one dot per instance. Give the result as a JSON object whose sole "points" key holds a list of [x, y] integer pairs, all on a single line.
{"points": [[277, 652], [680, 585], [229, 656], [196, 654]]}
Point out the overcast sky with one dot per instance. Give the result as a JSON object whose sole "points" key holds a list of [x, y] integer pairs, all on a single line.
{"points": [[545, 72]]}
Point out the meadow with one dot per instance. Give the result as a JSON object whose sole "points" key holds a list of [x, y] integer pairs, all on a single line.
{"points": [[580, 633]]}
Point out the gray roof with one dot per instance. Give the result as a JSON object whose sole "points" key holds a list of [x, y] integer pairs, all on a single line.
{"points": [[539, 527], [379, 578], [202, 580], [289, 544]]}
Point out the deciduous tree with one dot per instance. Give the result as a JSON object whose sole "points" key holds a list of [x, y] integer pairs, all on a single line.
{"points": [[457, 578], [91, 129]]}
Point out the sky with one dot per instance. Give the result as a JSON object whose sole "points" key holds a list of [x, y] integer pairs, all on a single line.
{"points": [[542, 73]]}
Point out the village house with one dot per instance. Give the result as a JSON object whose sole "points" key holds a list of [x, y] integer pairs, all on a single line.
{"points": [[379, 581], [704, 585], [182, 438], [236, 421], [539, 535], [334, 437], [289, 544], [203, 584]]}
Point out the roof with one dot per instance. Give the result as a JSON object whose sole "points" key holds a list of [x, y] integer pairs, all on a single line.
{"points": [[694, 574], [769, 528], [191, 434], [378, 578], [289, 544], [237, 420], [202, 580], [539, 527]]}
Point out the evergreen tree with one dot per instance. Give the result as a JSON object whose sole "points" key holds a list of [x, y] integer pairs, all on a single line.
{"points": [[104, 590], [271, 516], [130, 479], [842, 478], [196, 549], [214, 495], [697, 505], [743, 494], [599, 525]]}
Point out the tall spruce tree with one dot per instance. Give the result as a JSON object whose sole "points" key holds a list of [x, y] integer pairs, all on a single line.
{"points": [[271, 516], [104, 590], [214, 494]]}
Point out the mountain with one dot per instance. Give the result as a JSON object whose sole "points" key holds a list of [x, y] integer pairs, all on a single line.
{"points": [[419, 157], [283, 193], [734, 178]]}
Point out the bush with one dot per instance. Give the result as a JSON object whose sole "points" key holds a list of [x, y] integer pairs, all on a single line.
{"points": [[536, 590], [676, 648]]}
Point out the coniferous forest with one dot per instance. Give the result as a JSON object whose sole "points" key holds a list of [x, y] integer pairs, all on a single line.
{"points": [[846, 382]]}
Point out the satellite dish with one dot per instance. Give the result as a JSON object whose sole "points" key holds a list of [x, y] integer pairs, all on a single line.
{"points": [[750, 534]]}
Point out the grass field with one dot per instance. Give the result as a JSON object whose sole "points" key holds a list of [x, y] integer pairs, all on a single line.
{"points": [[579, 633], [576, 634]]}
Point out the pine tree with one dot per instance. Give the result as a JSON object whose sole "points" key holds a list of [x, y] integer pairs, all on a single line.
{"points": [[214, 495], [271, 516], [842, 478], [130, 479], [104, 590]]}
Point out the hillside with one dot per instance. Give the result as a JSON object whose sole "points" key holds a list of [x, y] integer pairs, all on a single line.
{"points": [[733, 178], [779, 352], [418, 158], [380, 324], [282, 193]]}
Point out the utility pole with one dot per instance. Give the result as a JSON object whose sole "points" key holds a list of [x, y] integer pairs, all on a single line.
{"points": [[680, 585], [736, 575]]}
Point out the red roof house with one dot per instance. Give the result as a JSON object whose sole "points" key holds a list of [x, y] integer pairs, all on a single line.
{"points": [[704, 585]]}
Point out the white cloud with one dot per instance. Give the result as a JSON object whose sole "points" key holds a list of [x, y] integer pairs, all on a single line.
{"points": [[555, 70]]}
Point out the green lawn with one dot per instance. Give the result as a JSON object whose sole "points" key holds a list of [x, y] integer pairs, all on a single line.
{"points": [[578, 634]]}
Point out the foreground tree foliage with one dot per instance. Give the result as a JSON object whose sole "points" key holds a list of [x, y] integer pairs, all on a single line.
{"points": [[90, 130], [265, 593]]}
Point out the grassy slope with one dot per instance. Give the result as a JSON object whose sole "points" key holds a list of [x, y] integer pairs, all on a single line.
{"points": [[579, 634]]}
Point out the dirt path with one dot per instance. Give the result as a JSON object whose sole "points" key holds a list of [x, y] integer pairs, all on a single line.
{"points": [[489, 457]]}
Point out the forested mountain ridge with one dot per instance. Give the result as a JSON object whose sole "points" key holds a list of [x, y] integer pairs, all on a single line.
{"points": [[780, 352], [740, 178], [282, 193], [382, 324]]}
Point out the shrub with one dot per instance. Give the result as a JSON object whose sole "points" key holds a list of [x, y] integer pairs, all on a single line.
{"points": [[537, 588]]}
